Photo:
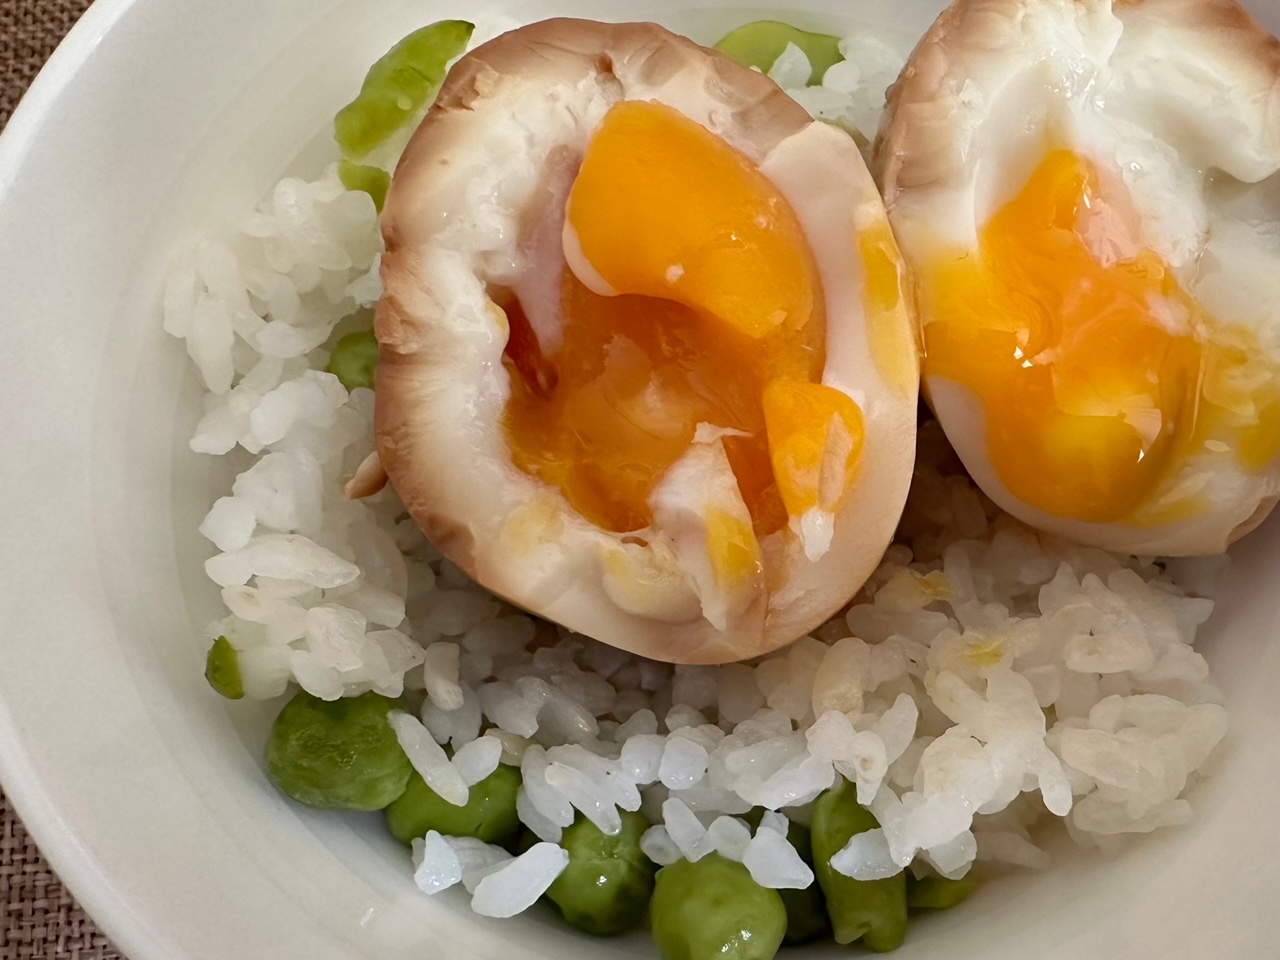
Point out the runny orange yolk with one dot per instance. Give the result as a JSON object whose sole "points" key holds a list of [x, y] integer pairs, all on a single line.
{"points": [[719, 311], [1096, 371]]}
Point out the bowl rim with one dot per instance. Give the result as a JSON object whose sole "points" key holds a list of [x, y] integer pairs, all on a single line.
{"points": [[68, 847], [54, 835]]}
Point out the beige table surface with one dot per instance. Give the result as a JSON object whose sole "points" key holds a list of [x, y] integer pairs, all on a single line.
{"points": [[39, 918]]}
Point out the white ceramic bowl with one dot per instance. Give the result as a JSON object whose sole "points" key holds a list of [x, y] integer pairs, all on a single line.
{"points": [[159, 120]]}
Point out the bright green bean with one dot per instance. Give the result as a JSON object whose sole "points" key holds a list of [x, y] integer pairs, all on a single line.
{"points": [[355, 359], [489, 813], [222, 669], [713, 909], [939, 893], [372, 180], [760, 43], [606, 887], [874, 911], [403, 81], [339, 755]]}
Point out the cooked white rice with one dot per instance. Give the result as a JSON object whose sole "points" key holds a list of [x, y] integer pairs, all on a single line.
{"points": [[987, 679]]}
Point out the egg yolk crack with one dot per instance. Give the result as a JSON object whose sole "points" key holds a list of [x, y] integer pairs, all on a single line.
{"points": [[714, 316], [1097, 372]]}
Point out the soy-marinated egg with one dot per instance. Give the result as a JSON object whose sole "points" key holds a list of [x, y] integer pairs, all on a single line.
{"points": [[1087, 195], [647, 367]]}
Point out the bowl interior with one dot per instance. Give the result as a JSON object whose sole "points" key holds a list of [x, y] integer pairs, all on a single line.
{"points": [[158, 122]]}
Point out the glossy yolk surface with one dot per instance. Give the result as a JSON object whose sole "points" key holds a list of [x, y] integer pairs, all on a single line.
{"points": [[718, 297], [1096, 371], [813, 467], [664, 208]]}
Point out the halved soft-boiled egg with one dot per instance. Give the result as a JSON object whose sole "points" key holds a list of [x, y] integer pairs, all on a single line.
{"points": [[647, 367], [1087, 195]]}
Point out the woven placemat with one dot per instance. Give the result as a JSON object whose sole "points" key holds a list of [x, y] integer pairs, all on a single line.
{"points": [[29, 30], [39, 920]]}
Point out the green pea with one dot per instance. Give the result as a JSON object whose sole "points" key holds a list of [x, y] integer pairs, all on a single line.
{"points": [[355, 359], [339, 755], [874, 911], [403, 81], [713, 908], [222, 669], [807, 918], [489, 813], [760, 43], [606, 887], [372, 180], [939, 893]]}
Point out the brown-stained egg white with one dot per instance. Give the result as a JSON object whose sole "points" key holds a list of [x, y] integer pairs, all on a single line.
{"points": [[647, 369]]}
